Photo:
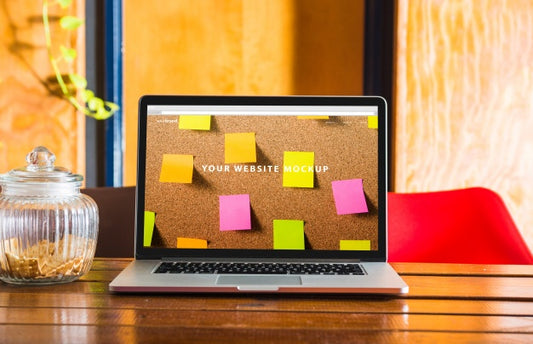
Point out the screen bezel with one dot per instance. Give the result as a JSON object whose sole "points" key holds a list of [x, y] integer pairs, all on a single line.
{"points": [[142, 252]]}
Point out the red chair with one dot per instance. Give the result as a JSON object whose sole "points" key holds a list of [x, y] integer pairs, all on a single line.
{"points": [[470, 226]]}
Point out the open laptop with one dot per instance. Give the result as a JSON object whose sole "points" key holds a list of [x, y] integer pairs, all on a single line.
{"points": [[261, 194]]}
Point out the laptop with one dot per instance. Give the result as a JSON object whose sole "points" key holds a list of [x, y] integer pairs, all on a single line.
{"points": [[261, 194]]}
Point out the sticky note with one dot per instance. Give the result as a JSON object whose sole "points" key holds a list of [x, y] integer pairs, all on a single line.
{"points": [[239, 148], [373, 122], [191, 243], [234, 211], [298, 169], [289, 235], [355, 245], [192, 122], [149, 223], [349, 196], [176, 168], [312, 117]]}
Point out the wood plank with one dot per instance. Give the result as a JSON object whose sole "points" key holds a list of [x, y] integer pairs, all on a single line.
{"points": [[140, 334], [118, 264], [462, 269], [100, 276], [267, 303], [441, 308], [266, 320], [512, 288], [488, 288], [421, 286], [78, 287], [113, 264], [437, 285]]}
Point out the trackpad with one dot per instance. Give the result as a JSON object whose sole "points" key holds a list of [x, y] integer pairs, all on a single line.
{"points": [[258, 280]]}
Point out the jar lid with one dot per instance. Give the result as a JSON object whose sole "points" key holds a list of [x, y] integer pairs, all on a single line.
{"points": [[40, 169]]}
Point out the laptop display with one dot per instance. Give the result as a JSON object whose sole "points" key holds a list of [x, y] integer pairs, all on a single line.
{"points": [[261, 194], [268, 176]]}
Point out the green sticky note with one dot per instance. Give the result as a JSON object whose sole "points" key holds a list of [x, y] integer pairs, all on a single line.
{"points": [[192, 122], [373, 122], [149, 223], [239, 148], [298, 169], [289, 235], [355, 245], [176, 168]]}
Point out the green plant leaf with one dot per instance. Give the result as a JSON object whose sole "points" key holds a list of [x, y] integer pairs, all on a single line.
{"points": [[75, 88], [86, 95], [102, 114], [98, 108], [112, 107], [70, 22], [77, 80], [64, 3], [95, 104], [68, 54]]}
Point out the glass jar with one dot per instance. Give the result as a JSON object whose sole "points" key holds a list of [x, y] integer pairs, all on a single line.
{"points": [[48, 229]]}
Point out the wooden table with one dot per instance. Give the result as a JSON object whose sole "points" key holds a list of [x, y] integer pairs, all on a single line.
{"points": [[446, 304]]}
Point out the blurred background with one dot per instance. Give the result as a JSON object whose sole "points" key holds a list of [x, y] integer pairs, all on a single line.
{"points": [[457, 75]]}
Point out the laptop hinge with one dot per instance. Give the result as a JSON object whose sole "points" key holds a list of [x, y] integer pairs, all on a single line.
{"points": [[262, 260], [374, 260]]}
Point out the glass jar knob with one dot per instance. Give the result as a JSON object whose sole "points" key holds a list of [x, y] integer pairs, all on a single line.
{"points": [[40, 159]]}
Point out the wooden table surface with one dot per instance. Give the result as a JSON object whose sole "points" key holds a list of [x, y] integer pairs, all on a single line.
{"points": [[446, 303]]}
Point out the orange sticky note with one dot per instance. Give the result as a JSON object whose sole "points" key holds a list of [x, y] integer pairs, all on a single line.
{"points": [[373, 122], [176, 168], [193, 122], [240, 148], [298, 169], [191, 243]]}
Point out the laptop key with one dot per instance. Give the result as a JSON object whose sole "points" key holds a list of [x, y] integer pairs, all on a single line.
{"points": [[260, 268]]}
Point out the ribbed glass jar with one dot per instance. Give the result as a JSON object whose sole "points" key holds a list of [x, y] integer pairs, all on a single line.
{"points": [[48, 229]]}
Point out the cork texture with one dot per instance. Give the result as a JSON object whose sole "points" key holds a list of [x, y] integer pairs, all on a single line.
{"points": [[344, 148]]}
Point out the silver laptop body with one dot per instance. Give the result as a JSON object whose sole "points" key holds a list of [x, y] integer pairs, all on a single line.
{"points": [[261, 194]]}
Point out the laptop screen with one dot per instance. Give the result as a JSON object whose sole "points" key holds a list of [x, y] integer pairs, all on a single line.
{"points": [[282, 176]]}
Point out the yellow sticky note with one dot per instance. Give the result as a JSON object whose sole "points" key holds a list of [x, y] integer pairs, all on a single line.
{"points": [[355, 245], [289, 235], [176, 168], [240, 148], [149, 223], [192, 122], [312, 117], [373, 122], [298, 169], [191, 243]]}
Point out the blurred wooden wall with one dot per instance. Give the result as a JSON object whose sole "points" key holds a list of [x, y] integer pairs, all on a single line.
{"points": [[464, 99], [30, 115], [241, 47]]}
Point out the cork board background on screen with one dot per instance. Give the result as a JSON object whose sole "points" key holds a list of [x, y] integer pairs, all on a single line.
{"points": [[344, 144]]}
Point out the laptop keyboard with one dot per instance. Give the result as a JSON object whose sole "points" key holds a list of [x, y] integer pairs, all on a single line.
{"points": [[259, 268]]}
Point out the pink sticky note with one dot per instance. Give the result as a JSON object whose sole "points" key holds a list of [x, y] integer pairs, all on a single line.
{"points": [[349, 196], [235, 212]]}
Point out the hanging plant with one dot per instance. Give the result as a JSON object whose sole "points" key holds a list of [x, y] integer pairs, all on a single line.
{"points": [[73, 86]]}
